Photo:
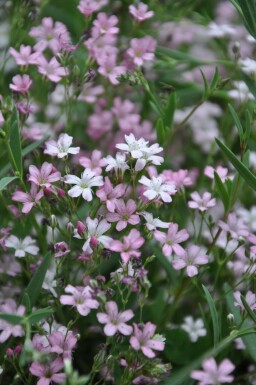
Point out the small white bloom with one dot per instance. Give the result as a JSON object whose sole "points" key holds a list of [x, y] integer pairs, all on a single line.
{"points": [[154, 223], [195, 329], [248, 65], [27, 245], [241, 92], [156, 188], [217, 30], [149, 156], [62, 147], [117, 163], [49, 281], [133, 146], [83, 185]]}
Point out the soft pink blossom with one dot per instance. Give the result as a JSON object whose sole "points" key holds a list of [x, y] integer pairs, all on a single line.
{"points": [[144, 339], [104, 25], [180, 178], [62, 343], [109, 68], [29, 200], [21, 83], [109, 194], [79, 297], [250, 299], [52, 69], [45, 176], [7, 329], [88, 7], [190, 260], [142, 50], [95, 162], [124, 214], [212, 374], [171, 241], [201, 203], [130, 245], [24, 56], [234, 226], [61, 249], [221, 171], [140, 13], [48, 372], [114, 321]]}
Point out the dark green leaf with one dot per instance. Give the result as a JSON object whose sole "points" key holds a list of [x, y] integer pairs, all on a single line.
{"points": [[39, 314], [248, 8], [248, 309], [12, 318], [237, 122], [240, 167], [5, 181], [206, 87], [169, 111], [221, 189], [15, 142], [214, 316], [247, 125], [215, 79], [160, 131], [35, 285]]}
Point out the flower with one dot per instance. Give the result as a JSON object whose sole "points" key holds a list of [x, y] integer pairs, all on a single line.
{"points": [[61, 148], [94, 163], [248, 65], [87, 7], [149, 157], [142, 50], [62, 343], [61, 248], [104, 25], [95, 231], [21, 83], [152, 223], [129, 248], [10, 307], [201, 203], [45, 176], [143, 339], [29, 200], [117, 163], [171, 240], [124, 215], [109, 194], [234, 226], [195, 329], [133, 146], [52, 69], [25, 56], [114, 321], [84, 185], [221, 171], [250, 299], [140, 13], [212, 374], [157, 189], [27, 245], [48, 372], [191, 259], [81, 298]]}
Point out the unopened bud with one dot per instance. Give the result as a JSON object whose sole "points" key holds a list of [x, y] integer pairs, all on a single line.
{"points": [[53, 221], [80, 226], [47, 191], [70, 228], [230, 319], [236, 48], [94, 242], [61, 193], [9, 352]]}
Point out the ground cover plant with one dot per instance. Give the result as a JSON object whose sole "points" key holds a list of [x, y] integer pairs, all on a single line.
{"points": [[127, 188]]}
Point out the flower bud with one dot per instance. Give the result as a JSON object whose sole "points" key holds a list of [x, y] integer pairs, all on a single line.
{"points": [[53, 221], [61, 193], [70, 228], [94, 242], [230, 319], [80, 226]]}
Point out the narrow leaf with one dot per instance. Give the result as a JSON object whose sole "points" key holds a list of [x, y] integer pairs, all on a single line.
{"points": [[240, 167], [215, 79], [5, 181], [206, 87], [35, 285], [40, 314], [160, 131], [221, 189], [249, 14], [237, 121], [169, 111], [12, 318], [247, 125], [15, 142], [248, 309], [214, 316]]}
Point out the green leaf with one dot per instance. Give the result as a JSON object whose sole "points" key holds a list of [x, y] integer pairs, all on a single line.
{"points": [[35, 285], [12, 318], [15, 142], [40, 314], [247, 125], [240, 167], [214, 316], [215, 79], [249, 341], [248, 8], [5, 181], [160, 131], [237, 122], [248, 309], [169, 111], [221, 189], [206, 87]]}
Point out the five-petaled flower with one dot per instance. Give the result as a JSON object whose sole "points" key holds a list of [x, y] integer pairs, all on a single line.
{"points": [[115, 321], [83, 186], [144, 339]]}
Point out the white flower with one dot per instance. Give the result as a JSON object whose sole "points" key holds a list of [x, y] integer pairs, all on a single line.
{"points": [[248, 65], [195, 329], [49, 281], [62, 147], [156, 188], [217, 30], [83, 186], [95, 231], [149, 157], [135, 147], [241, 92], [153, 223], [117, 163], [27, 245]]}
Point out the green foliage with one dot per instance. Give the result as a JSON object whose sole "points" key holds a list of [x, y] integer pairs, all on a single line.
{"points": [[5, 181], [15, 142], [214, 316]]}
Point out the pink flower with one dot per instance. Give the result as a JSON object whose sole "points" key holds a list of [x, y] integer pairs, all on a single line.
{"points": [[25, 56], [4, 234], [212, 374], [142, 50], [52, 69], [125, 114], [124, 215], [81, 298], [88, 7], [89, 93], [115, 322], [129, 248], [109, 195], [221, 171], [28, 200], [180, 178], [250, 299], [144, 339], [201, 203], [21, 83], [48, 372], [62, 343], [62, 147], [234, 226], [109, 69], [61, 249], [171, 240], [45, 176], [104, 25], [140, 13], [8, 330], [94, 163], [191, 259]]}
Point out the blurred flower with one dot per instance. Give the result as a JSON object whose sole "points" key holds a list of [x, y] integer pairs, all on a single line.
{"points": [[8, 330], [48, 372], [140, 13], [29, 200], [21, 83], [27, 245], [194, 328], [212, 374]]}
